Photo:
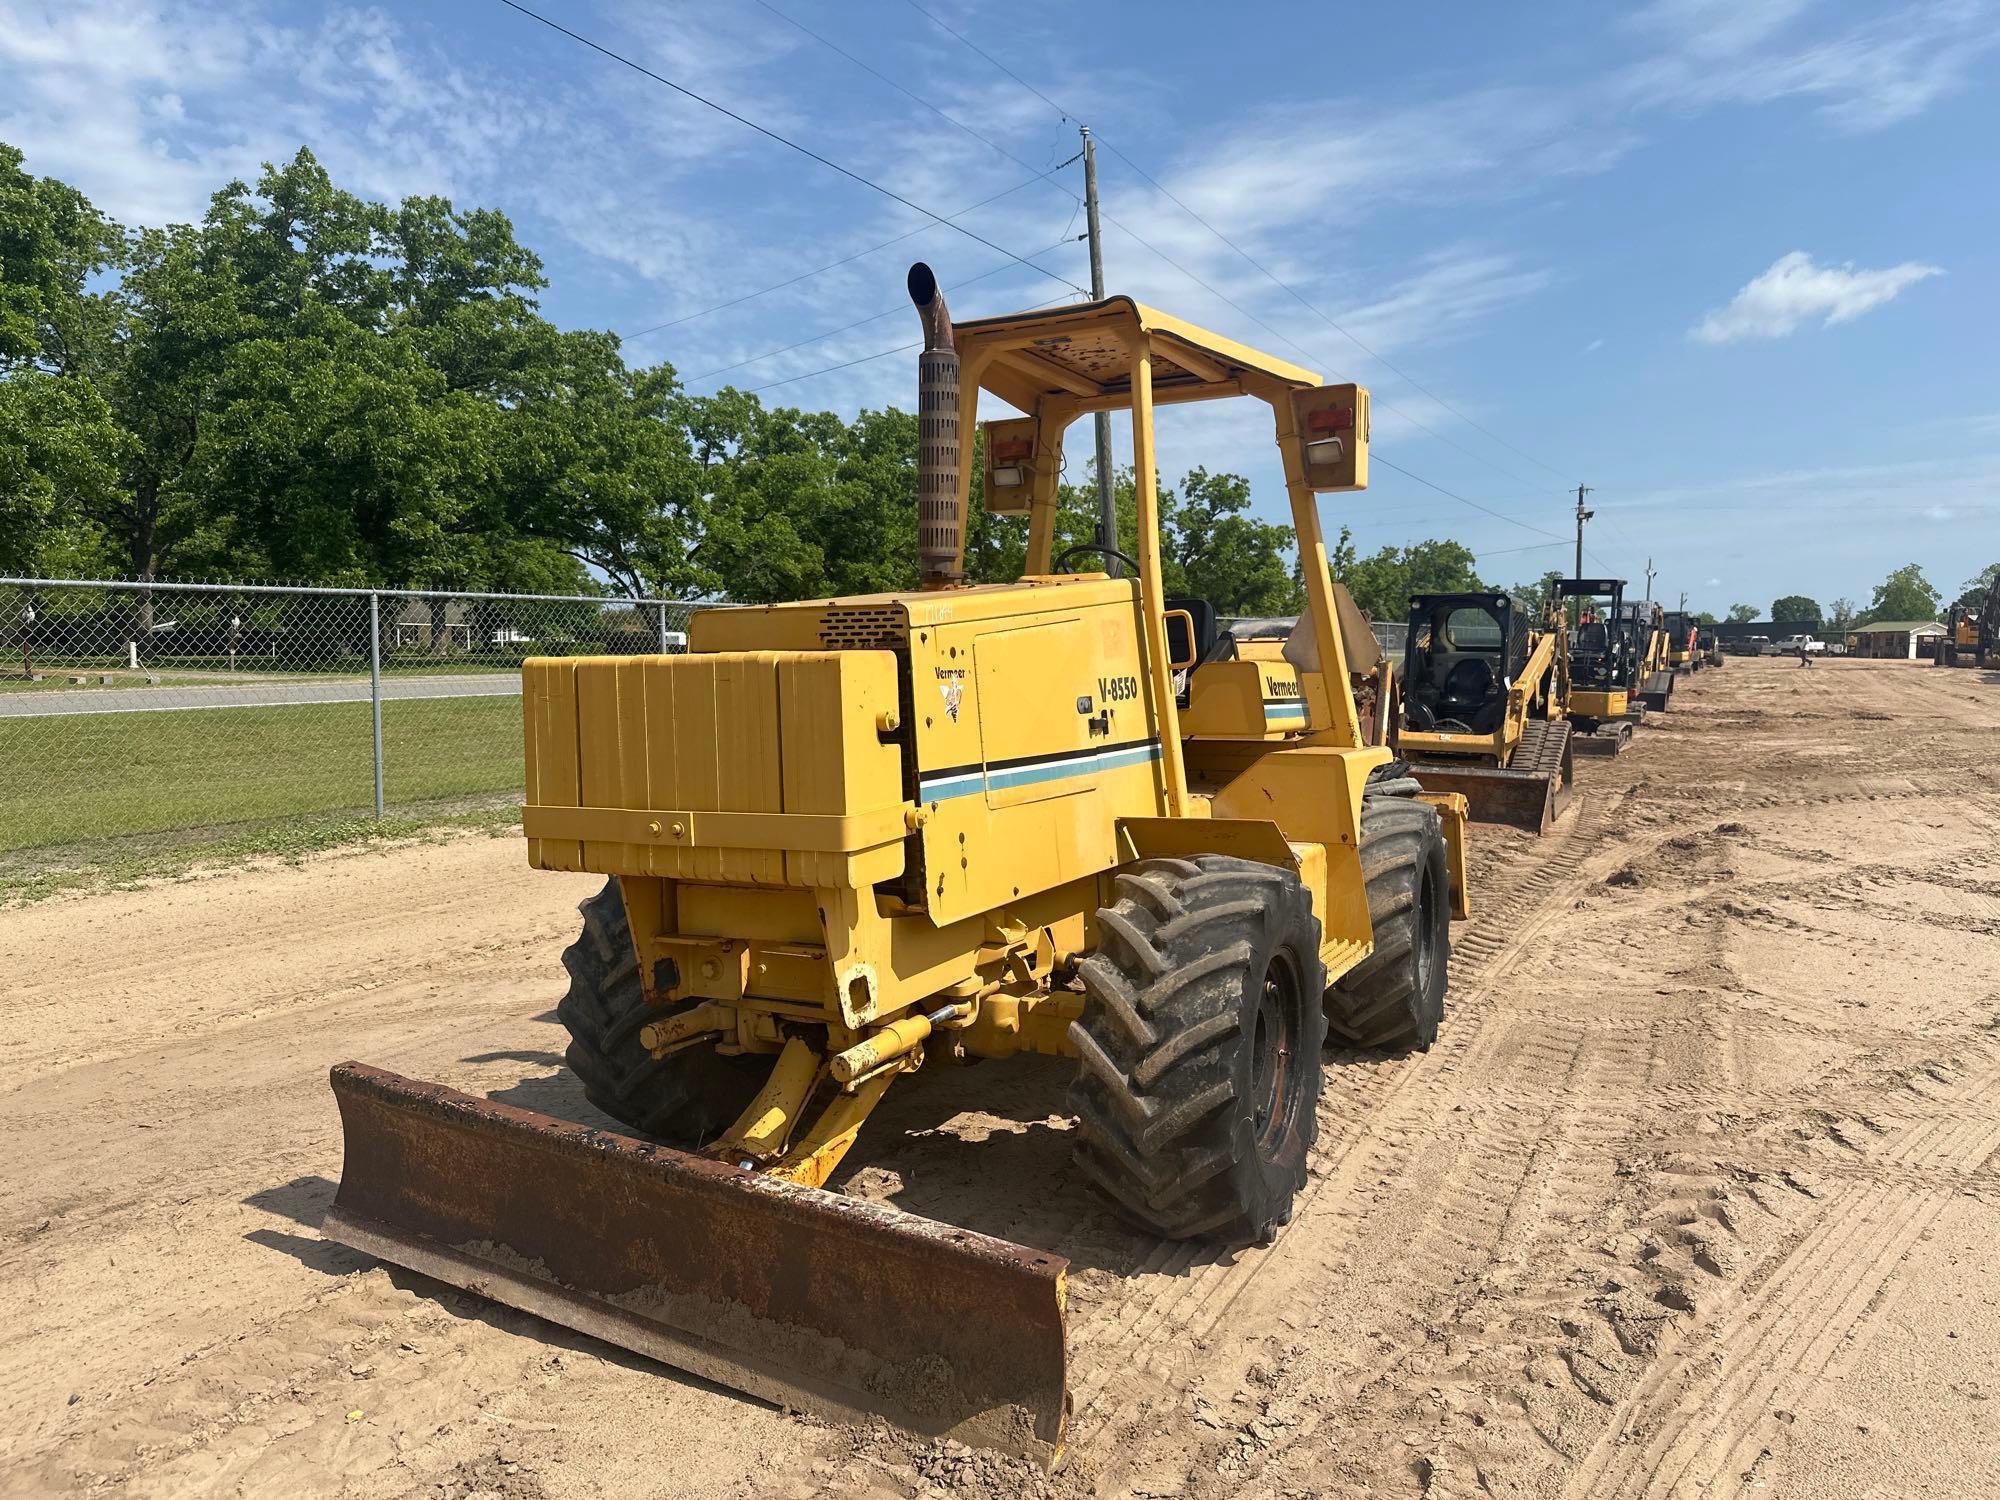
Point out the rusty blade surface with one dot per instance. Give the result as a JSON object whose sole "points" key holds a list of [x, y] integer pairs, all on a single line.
{"points": [[1520, 799], [798, 1296]]}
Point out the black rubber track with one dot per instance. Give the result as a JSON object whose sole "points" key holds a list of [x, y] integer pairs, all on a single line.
{"points": [[685, 1099], [1394, 998], [1206, 980]]}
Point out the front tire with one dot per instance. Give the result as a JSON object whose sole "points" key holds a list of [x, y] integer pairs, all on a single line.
{"points": [[686, 1098], [1394, 998], [1199, 1078]]}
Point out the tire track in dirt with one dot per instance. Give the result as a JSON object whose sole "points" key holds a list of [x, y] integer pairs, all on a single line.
{"points": [[1691, 1419], [1375, 1134], [1373, 1125]]}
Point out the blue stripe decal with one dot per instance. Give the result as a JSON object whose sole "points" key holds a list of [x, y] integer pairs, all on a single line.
{"points": [[1284, 710], [970, 783]]}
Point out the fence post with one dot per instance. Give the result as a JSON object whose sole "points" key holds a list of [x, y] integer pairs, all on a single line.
{"points": [[375, 688], [662, 608]]}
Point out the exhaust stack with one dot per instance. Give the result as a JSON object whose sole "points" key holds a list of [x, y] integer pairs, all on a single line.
{"points": [[940, 524]]}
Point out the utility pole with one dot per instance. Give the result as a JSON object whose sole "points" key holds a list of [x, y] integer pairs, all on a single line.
{"points": [[1582, 515], [1649, 579], [1107, 492]]}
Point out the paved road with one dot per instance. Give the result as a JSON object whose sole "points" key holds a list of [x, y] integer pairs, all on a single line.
{"points": [[251, 695]]}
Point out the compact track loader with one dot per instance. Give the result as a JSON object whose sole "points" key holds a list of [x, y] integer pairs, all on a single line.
{"points": [[1708, 647], [1484, 697], [1605, 655], [850, 838]]}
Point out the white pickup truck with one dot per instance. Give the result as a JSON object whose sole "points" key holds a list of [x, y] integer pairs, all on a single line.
{"points": [[1791, 645]]}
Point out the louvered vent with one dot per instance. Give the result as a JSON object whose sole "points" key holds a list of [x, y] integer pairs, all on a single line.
{"points": [[879, 627]]}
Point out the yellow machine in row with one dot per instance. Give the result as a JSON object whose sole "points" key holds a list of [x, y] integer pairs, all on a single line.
{"points": [[1972, 632], [850, 838], [1606, 653], [1647, 625], [1485, 699], [1684, 648]]}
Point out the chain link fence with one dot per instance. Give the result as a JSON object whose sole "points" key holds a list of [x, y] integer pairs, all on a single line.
{"points": [[131, 710]]}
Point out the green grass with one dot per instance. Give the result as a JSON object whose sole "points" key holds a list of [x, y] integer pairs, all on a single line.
{"points": [[27, 876], [57, 680], [73, 780]]}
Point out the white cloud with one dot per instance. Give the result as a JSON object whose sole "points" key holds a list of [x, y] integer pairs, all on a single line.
{"points": [[1797, 289], [1716, 28], [1593, 346], [1867, 76]]}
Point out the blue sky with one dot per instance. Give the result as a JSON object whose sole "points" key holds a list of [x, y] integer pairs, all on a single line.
{"points": [[1736, 265]]}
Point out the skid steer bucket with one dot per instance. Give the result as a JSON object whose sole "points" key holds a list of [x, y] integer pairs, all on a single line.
{"points": [[1530, 792], [801, 1297], [1519, 799]]}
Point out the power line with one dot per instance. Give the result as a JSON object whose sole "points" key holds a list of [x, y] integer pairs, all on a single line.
{"points": [[871, 358], [1462, 500], [845, 259], [974, 46], [941, 219], [1307, 353], [845, 365], [1352, 338], [1413, 420], [1509, 551], [770, 134], [1066, 114], [862, 322], [874, 72]]}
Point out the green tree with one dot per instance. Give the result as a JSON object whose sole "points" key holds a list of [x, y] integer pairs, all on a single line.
{"points": [[314, 385], [1382, 584], [1795, 609], [1904, 595], [1211, 547], [59, 451], [1978, 586], [1840, 615], [1742, 614], [59, 446], [1537, 594], [1223, 554], [1706, 617], [52, 242]]}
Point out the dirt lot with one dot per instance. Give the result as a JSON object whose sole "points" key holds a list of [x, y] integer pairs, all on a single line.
{"points": [[1698, 1195]]}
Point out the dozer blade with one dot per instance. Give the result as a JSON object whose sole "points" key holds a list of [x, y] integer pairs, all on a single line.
{"points": [[1520, 799], [1609, 738], [801, 1297]]}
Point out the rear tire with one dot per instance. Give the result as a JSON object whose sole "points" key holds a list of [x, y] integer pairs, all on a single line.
{"points": [[1394, 998], [684, 1099], [1199, 1078]]}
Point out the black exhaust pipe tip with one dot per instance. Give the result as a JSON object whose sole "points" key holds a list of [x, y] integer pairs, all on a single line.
{"points": [[923, 284]]}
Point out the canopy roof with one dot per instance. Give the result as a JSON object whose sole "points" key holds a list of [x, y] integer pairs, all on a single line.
{"points": [[1080, 352]]}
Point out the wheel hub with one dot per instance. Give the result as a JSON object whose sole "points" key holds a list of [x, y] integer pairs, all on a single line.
{"points": [[1274, 1052]]}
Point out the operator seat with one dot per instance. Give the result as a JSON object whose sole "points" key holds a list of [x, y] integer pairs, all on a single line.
{"points": [[1207, 626], [1207, 630], [1468, 695]]}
